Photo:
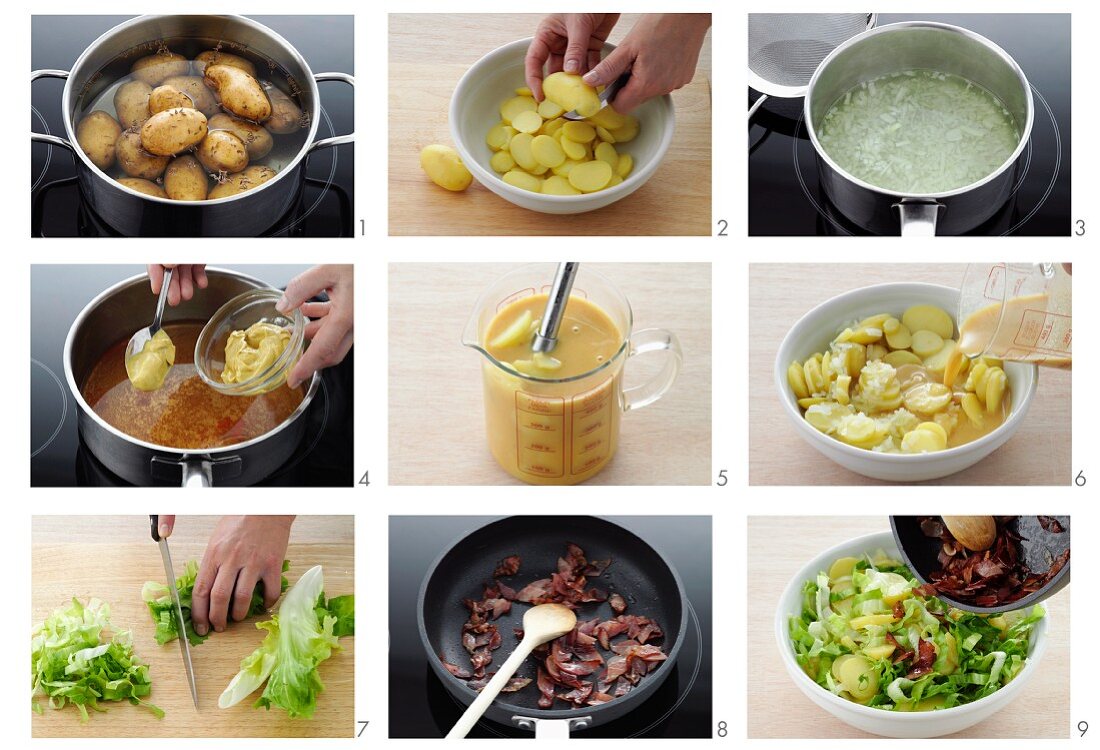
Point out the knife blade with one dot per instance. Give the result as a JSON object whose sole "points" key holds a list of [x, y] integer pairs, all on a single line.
{"points": [[185, 645]]}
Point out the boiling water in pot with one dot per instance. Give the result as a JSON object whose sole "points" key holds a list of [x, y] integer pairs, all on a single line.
{"points": [[98, 93], [184, 412]]}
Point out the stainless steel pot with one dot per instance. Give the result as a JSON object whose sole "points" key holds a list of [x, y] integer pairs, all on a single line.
{"points": [[105, 321], [135, 214], [919, 45]]}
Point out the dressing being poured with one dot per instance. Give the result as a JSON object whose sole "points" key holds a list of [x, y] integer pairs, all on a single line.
{"points": [[148, 368]]}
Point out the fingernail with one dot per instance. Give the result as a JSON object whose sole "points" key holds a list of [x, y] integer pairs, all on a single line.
{"points": [[200, 629], [219, 628], [163, 529], [293, 382], [592, 78], [283, 305], [572, 66]]}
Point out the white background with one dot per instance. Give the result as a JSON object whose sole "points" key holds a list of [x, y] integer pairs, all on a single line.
{"points": [[730, 256]]}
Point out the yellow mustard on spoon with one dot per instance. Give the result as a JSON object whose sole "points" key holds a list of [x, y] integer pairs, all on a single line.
{"points": [[150, 352]]}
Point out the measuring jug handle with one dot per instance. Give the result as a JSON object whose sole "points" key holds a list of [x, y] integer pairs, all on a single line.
{"points": [[653, 340]]}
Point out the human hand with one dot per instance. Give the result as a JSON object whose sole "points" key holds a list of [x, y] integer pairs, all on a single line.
{"points": [[661, 52], [242, 551], [566, 41], [330, 330], [165, 524], [184, 280]]}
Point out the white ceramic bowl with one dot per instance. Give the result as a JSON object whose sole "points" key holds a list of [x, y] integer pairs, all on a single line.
{"points": [[875, 720], [475, 107], [817, 328]]}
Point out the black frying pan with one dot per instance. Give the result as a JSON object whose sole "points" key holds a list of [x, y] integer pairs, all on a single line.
{"points": [[1039, 548], [638, 572]]}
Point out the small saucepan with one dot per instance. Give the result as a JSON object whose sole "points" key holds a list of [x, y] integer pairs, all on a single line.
{"points": [[919, 45]]}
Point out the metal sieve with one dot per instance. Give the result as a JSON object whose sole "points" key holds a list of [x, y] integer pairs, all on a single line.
{"points": [[786, 48]]}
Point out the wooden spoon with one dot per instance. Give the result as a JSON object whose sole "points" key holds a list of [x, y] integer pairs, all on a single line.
{"points": [[976, 533], [542, 623]]}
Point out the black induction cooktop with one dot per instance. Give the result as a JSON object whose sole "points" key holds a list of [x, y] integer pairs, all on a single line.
{"points": [[785, 197], [59, 457], [323, 206], [421, 707]]}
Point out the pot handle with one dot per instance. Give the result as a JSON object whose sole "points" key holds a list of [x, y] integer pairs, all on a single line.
{"points": [[53, 140], [918, 218], [336, 140], [195, 470], [552, 729]]}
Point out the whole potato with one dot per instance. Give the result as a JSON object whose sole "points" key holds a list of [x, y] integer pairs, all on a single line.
{"points": [[286, 115], [136, 161], [97, 133], [174, 130], [255, 137], [154, 69], [254, 176], [186, 180], [193, 86], [168, 97], [221, 151], [143, 186], [217, 57], [132, 103], [238, 92]]}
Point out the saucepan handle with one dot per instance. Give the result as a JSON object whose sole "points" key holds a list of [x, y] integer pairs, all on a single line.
{"points": [[53, 140], [195, 470], [336, 140], [918, 218], [552, 729]]}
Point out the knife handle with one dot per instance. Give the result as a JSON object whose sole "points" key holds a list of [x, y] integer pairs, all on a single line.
{"points": [[154, 525]]}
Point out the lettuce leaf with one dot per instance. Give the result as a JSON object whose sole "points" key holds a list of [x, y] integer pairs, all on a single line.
{"points": [[73, 661], [301, 636], [158, 599]]}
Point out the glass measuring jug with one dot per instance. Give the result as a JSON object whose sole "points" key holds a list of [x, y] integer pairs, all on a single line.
{"points": [[1017, 311], [547, 429]]}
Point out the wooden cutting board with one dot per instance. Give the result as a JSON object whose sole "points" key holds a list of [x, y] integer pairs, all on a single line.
{"points": [[111, 557], [429, 52]]}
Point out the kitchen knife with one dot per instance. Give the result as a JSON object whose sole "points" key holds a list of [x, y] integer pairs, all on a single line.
{"points": [[185, 646]]}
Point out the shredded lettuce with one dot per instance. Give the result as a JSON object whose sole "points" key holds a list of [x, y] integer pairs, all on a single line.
{"points": [[301, 636], [975, 655], [158, 599], [74, 661]]}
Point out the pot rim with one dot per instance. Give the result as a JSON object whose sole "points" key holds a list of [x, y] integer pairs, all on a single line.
{"points": [[88, 411], [1025, 133], [290, 168]]}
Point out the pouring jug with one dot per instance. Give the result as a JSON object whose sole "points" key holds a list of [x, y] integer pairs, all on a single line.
{"points": [[556, 431]]}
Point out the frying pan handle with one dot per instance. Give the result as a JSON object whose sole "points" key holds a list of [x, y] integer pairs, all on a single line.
{"points": [[918, 218], [53, 140], [552, 729], [654, 340], [336, 140]]}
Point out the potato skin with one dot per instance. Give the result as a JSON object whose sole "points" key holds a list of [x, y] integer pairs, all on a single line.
{"points": [[168, 97], [169, 132], [251, 177], [136, 161], [97, 134], [218, 57], [143, 186], [255, 137], [132, 103], [221, 151], [238, 93], [186, 180], [203, 100], [286, 115], [154, 69]]}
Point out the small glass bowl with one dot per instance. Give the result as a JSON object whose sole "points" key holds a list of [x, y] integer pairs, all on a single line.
{"points": [[254, 306]]}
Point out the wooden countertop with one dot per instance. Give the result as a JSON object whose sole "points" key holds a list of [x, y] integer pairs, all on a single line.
{"points": [[436, 417], [780, 294], [111, 557], [778, 547], [429, 52]]}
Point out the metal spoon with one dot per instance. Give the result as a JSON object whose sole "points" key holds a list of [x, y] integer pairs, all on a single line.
{"points": [[547, 337], [542, 623], [606, 95], [139, 339]]}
